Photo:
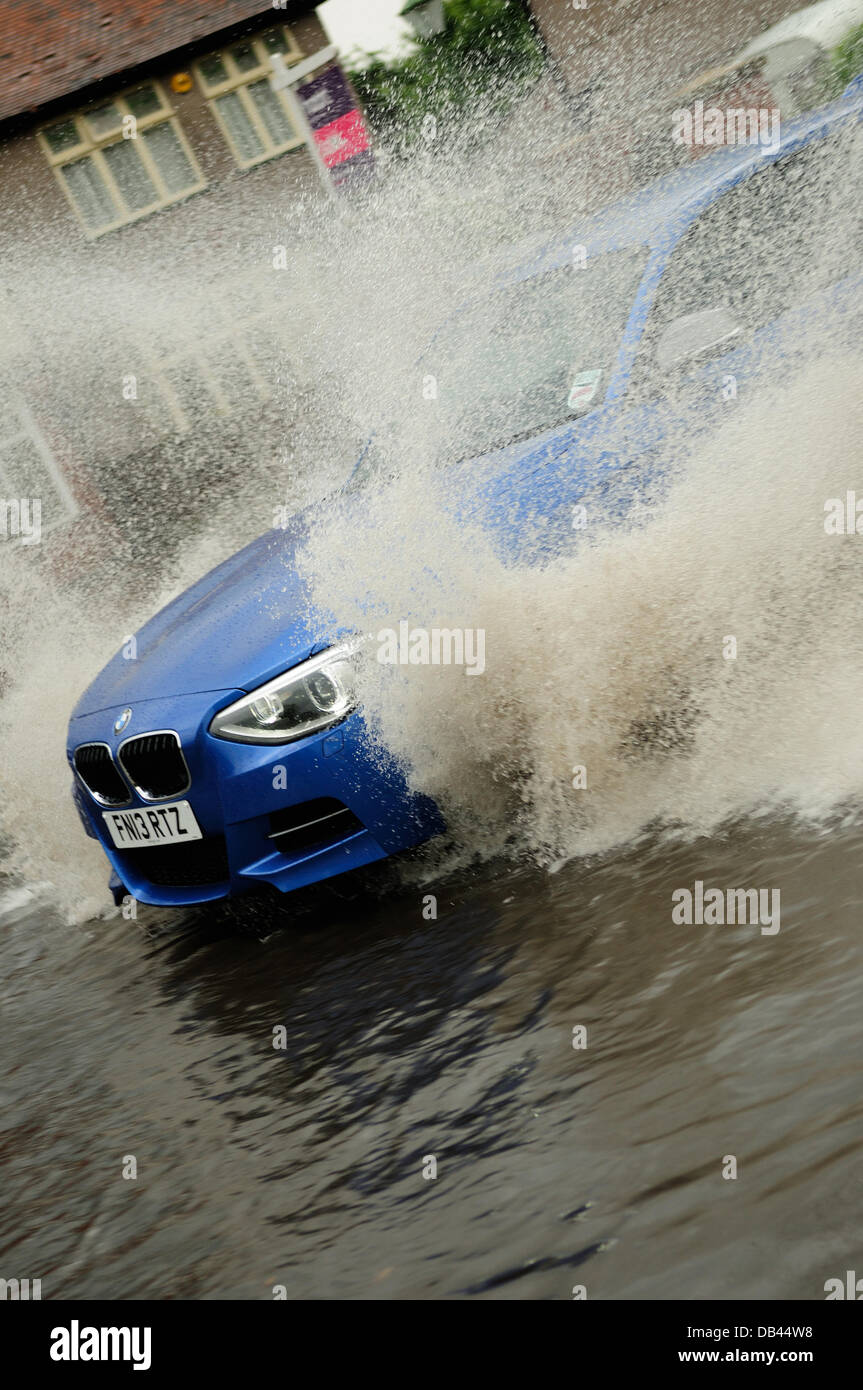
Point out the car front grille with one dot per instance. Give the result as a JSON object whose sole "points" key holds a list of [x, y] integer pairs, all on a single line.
{"points": [[95, 766], [181, 866], [312, 825], [155, 765]]}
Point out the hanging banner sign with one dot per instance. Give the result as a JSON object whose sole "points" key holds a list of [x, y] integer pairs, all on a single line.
{"points": [[338, 127]]}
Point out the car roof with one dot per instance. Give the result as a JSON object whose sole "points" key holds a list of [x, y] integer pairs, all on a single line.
{"points": [[650, 214]]}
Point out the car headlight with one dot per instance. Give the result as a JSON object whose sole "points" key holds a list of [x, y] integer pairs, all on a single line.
{"points": [[312, 696]]}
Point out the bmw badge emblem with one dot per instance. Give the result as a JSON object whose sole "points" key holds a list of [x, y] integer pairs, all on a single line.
{"points": [[122, 721]]}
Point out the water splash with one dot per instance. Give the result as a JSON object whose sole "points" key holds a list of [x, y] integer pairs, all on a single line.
{"points": [[584, 655]]}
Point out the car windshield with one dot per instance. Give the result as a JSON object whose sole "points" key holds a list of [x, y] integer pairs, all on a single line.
{"points": [[531, 356]]}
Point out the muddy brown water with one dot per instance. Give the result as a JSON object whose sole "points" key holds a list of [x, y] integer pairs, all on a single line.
{"points": [[557, 1166]]}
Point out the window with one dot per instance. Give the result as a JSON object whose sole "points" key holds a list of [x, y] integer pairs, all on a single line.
{"points": [[200, 378], [254, 119], [785, 234], [122, 159]]}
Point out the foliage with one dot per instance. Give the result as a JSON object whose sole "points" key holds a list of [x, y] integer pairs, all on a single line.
{"points": [[486, 55], [846, 60]]}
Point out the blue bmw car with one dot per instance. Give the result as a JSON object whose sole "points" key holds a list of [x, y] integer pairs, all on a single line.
{"points": [[231, 754]]}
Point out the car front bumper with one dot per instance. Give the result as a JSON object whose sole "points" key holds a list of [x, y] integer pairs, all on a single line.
{"points": [[266, 812]]}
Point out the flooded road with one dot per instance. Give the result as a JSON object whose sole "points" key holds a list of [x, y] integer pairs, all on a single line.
{"points": [[302, 1165]]}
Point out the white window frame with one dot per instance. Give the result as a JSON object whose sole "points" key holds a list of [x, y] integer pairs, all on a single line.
{"points": [[91, 146], [237, 81], [190, 353], [29, 432]]}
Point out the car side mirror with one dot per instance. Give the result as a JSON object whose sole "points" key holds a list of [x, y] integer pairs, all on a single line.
{"points": [[702, 335]]}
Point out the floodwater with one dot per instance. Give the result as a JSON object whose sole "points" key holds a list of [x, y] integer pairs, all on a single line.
{"points": [[303, 1166]]}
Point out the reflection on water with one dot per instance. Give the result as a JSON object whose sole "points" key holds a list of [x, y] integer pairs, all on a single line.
{"points": [[406, 1038]]}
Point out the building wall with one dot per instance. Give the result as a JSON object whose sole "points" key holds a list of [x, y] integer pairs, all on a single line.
{"points": [[144, 370], [647, 46], [35, 198], [618, 66]]}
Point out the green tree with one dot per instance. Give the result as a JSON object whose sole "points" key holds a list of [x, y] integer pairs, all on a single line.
{"points": [[846, 60], [487, 54]]}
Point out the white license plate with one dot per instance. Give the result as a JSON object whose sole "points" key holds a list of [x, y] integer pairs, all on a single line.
{"points": [[174, 824]]}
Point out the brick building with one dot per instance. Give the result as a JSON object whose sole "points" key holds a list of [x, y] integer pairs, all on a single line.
{"points": [[620, 63], [147, 163], [647, 46]]}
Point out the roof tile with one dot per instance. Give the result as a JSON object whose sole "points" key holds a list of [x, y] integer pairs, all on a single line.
{"points": [[52, 49]]}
